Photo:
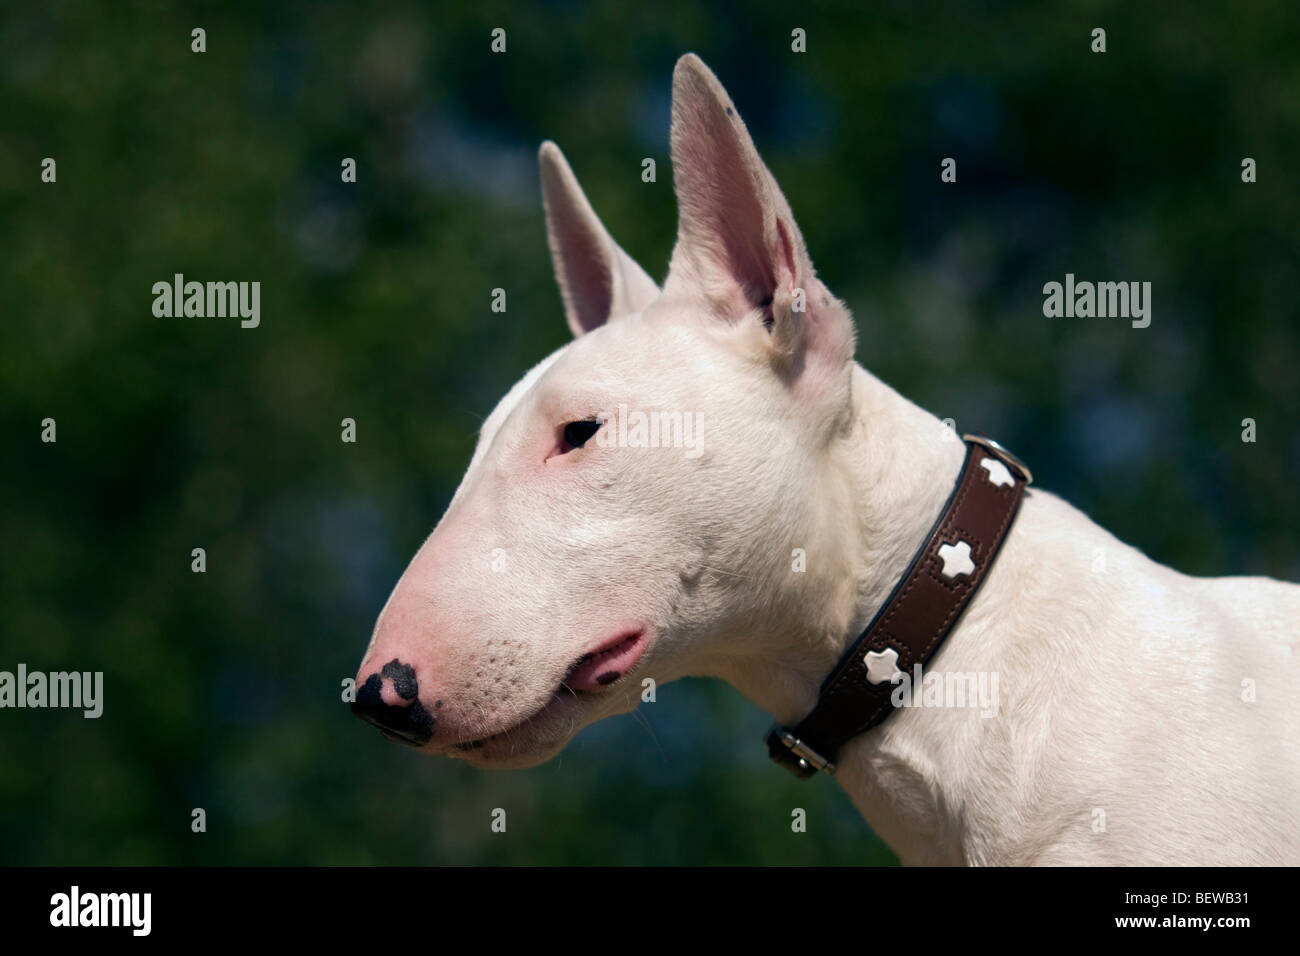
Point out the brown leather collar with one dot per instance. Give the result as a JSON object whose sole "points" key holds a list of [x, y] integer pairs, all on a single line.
{"points": [[922, 610]]}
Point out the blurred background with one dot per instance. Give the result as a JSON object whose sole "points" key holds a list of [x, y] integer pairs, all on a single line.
{"points": [[222, 690]]}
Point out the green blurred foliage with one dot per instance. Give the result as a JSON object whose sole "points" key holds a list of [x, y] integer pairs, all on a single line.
{"points": [[222, 689]]}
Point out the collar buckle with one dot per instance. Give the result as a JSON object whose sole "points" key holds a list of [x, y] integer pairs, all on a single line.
{"points": [[796, 755]]}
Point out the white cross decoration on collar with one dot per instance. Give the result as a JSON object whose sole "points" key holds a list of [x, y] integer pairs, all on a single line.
{"points": [[998, 473], [956, 559], [881, 665]]}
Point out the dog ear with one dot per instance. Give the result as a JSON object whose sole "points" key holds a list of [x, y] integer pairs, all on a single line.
{"points": [[598, 280], [737, 241]]}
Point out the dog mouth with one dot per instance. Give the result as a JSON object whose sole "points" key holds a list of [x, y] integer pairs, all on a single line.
{"points": [[607, 663], [591, 674]]}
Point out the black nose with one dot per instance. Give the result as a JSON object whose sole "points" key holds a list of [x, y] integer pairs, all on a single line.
{"points": [[407, 723]]}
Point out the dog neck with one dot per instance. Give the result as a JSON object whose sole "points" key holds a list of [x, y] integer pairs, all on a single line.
{"points": [[892, 470]]}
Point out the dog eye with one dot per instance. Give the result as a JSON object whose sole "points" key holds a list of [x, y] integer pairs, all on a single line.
{"points": [[576, 434]]}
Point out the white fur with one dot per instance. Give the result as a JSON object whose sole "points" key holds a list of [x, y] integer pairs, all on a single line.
{"points": [[1120, 679]]}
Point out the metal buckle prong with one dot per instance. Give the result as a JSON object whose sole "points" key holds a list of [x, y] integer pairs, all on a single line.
{"points": [[807, 756]]}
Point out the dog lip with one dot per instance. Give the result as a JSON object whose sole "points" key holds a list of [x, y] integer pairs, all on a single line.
{"points": [[612, 643], [608, 661]]}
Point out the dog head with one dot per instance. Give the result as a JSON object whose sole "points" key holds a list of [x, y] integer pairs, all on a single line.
{"points": [[631, 508]]}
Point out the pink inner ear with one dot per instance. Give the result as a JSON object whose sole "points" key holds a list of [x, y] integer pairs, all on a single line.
{"points": [[787, 253], [598, 280], [738, 245], [737, 238], [723, 215], [586, 267]]}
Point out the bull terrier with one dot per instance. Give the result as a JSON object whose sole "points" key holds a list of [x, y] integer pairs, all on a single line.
{"points": [[1145, 717]]}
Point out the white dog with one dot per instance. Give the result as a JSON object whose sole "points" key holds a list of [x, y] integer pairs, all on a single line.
{"points": [[1144, 716]]}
